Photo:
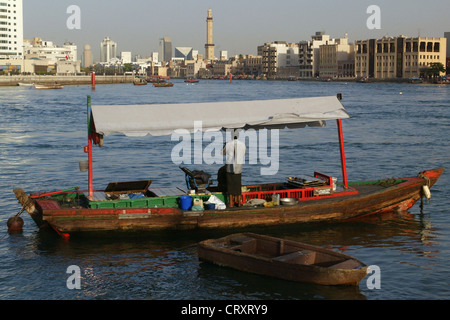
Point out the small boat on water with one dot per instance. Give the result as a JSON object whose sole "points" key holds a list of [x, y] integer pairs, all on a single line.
{"points": [[191, 80], [137, 206], [48, 86], [284, 259], [139, 81], [163, 84], [25, 84], [415, 80]]}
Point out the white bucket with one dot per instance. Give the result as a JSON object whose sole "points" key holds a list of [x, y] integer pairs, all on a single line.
{"points": [[84, 165], [334, 182]]}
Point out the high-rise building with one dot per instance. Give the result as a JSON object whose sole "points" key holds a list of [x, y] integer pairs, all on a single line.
{"points": [[88, 59], [209, 46], [165, 49], [108, 50], [11, 28]]}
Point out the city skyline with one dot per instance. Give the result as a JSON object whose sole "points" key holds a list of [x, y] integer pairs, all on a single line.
{"points": [[239, 27]]}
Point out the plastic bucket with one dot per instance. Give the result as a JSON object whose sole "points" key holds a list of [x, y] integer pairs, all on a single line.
{"points": [[185, 202], [210, 206]]}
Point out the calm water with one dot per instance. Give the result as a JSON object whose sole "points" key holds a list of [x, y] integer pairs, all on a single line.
{"points": [[394, 130]]}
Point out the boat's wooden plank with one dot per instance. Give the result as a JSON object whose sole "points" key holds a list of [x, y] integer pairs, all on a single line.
{"points": [[347, 264], [300, 257]]}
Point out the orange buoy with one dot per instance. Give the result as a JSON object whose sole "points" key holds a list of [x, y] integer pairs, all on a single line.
{"points": [[15, 224]]}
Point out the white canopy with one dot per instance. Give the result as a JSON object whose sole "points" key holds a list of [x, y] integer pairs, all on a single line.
{"points": [[163, 119]]}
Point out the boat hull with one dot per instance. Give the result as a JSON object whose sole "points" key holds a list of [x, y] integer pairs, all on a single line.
{"points": [[264, 255], [371, 198]]}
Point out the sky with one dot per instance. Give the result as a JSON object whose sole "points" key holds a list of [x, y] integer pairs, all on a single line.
{"points": [[240, 26]]}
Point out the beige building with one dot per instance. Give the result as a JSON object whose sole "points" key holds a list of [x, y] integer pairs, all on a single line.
{"points": [[336, 59], [398, 57]]}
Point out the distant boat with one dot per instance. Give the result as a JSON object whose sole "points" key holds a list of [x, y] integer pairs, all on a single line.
{"points": [[139, 82], [284, 259], [48, 86], [363, 80], [25, 84], [162, 84], [191, 81], [415, 80]]}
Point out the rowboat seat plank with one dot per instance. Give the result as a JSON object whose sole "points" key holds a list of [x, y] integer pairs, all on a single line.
{"points": [[303, 257], [347, 264], [240, 239]]}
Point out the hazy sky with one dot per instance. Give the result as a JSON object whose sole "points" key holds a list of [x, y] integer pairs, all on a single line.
{"points": [[239, 26]]}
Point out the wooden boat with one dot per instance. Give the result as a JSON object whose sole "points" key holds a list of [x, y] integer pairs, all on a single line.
{"points": [[163, 84], [25, 84], [140, 82], [284, 259], [158, 207], [191, 81], [415, 80], [48, 86]]}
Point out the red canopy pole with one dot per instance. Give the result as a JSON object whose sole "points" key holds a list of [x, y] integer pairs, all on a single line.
{"points": [[90, 177], [341, 145]]}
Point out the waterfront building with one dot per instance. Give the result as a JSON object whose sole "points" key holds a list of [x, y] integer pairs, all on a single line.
{"points": [[184, 53], [193, 68], [309, 54], [11, 29], [209, 46], [336, 59], [165, 49], [223, 55], [108, 50], [279, 59], [88, 59], [44, 49], [447, 37], [398, 57], [125, 57]]}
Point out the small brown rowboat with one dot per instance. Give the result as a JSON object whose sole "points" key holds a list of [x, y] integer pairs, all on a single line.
{"points": [[284, 259]]}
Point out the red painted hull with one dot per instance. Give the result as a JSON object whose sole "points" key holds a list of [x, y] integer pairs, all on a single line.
{"points": [[371, 198]]}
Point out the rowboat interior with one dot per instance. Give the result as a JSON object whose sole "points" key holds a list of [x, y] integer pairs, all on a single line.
{"points": [[287, 251]]}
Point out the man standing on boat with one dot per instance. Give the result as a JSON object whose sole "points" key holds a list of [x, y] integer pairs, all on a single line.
{"points": [[235, 156]]}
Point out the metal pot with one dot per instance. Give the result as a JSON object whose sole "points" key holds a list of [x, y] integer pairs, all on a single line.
{"points": [[288, 201]]}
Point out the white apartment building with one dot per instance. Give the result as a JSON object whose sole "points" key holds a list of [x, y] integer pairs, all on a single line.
{"points": [[42, 49], [309, 54], [125, 56], [278, 58], [11, 29]]}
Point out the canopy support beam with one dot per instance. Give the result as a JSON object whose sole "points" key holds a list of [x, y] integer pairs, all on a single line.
{"points": [[341, 146], [89, 151]]}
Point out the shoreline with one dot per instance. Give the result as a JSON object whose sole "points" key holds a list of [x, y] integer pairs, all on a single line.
{"points": [[64, 80], [14, 80]]}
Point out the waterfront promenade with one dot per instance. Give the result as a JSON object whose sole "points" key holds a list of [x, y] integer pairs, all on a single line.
{"points": [[65, 80]]}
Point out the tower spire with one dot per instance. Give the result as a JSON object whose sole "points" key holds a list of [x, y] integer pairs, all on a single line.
{"points": [[209, 46]]}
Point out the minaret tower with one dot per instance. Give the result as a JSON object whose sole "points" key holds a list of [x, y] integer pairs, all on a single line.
{"points": [[209, 46]]}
